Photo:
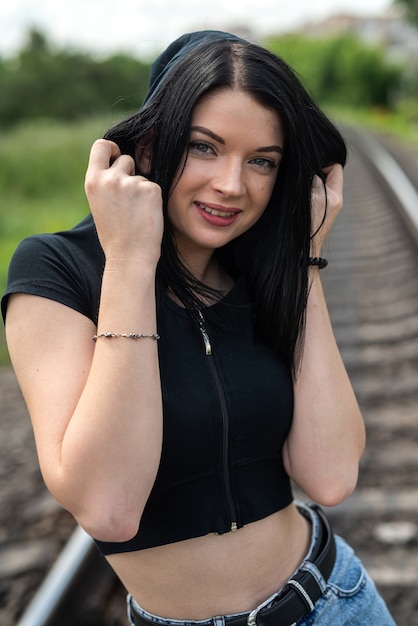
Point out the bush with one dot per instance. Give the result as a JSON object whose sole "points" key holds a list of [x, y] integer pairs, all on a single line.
{"points": [[341, 70], [43, 83]]}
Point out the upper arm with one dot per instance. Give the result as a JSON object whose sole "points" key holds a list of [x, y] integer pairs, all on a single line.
{"points": [[51, 352]]}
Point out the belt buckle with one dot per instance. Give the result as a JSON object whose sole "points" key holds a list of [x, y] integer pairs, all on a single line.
{"points": [[252, 617]]}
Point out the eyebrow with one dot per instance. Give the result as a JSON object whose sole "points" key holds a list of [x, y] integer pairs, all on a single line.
{"points": [[209, 133]]}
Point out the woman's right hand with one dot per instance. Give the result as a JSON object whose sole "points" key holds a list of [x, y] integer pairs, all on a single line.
{"points": [[127, 209]]}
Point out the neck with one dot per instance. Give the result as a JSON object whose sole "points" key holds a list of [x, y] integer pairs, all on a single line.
{"points": [[205, 268]]}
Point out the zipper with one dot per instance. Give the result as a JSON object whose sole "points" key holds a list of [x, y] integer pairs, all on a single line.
{"points": [[225, 422], [206, 340]]}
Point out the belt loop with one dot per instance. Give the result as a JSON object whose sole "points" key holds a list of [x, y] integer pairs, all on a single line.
{"points": [[302, 592], [310, 567]]}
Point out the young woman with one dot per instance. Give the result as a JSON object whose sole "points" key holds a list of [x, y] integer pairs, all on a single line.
{"points": [[213, 378]]}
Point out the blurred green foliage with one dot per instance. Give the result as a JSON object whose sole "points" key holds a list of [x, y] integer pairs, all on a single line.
{"points": [[54, 103], [341, 70], [42, 168], [42, 83]]}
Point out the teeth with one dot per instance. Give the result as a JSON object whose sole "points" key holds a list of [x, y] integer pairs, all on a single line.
{"points": [[215, 212]]}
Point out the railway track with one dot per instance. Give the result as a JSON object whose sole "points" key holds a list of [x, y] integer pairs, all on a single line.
{"points": [[372, 290]]}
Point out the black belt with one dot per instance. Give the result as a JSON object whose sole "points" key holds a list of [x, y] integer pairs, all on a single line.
{"points": [[297, 597]]}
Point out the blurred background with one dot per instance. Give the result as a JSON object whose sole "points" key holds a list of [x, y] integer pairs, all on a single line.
{"points": [[68, 70]]}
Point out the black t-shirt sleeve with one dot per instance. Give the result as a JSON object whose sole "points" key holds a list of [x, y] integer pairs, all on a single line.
{"points": [[66, 267]]}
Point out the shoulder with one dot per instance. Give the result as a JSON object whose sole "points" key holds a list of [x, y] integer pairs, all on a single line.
{"points": [[65, 266]]}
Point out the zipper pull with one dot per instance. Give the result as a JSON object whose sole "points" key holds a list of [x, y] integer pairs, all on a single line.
{"points": [[208, 347]]}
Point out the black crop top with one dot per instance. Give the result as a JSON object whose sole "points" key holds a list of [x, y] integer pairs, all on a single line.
{"points": [[227, 408]]}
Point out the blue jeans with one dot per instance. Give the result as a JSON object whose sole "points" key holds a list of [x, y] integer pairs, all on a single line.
{"points": [[350, 598]]}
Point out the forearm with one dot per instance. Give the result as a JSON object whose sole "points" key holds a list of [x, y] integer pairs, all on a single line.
{"points": [[327, 436], [111, 448]]}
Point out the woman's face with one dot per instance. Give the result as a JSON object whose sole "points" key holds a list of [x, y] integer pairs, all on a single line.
{"points": [[234, 152]]}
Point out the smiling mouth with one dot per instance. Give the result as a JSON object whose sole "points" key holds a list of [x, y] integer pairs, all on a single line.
{"points": [[215, 212]]}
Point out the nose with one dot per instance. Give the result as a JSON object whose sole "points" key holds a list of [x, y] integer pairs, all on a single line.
{"points": [[229, 177]]}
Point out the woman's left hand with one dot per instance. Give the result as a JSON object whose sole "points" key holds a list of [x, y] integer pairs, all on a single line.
{"points": [[327, 202]]}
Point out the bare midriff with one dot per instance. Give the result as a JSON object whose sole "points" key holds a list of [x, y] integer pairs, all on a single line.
{"points": [[216, 574]]}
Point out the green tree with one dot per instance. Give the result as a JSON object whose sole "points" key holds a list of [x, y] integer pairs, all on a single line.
{"points": [[41, 82], [340, 70]]}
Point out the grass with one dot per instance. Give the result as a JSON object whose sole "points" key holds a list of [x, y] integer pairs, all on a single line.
{"points": [[42, 169], [403, 125]]}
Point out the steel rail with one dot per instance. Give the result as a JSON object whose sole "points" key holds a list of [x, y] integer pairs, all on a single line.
{"points": [[76, 560], [398, 183]]}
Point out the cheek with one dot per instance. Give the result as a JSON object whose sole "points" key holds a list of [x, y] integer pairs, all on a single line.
{"points": [[264, 193]]}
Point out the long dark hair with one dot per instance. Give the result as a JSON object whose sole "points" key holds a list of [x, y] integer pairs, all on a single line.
{"points": [[273, 254]]}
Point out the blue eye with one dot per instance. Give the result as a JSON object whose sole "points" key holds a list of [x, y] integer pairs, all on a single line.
{"points": [[264, 163], [200, 147]]}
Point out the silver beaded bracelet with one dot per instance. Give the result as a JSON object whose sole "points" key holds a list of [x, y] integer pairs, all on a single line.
{"points": [[108, 335]]}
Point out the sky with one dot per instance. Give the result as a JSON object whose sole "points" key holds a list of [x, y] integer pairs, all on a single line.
{"points": [[144, 27]]}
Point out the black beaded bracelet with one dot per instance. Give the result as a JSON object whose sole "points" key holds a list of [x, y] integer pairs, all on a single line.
{"points": [[319, 261]]}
